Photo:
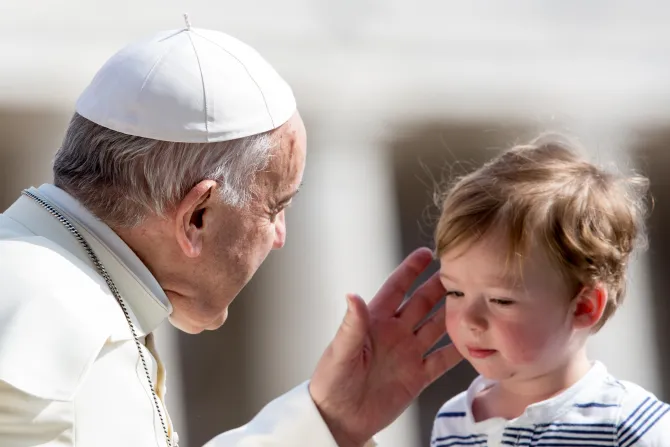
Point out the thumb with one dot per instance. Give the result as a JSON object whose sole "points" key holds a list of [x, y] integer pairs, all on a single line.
{"points": [[353, 332]]}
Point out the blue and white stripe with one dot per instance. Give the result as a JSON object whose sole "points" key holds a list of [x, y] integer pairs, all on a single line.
{"points": [[611, 414], [645, 417]]}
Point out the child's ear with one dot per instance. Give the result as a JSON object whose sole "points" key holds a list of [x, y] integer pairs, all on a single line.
{"points": [[588, 306]]}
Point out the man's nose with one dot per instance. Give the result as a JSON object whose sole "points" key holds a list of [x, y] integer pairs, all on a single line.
{"points": [[280, 231]]}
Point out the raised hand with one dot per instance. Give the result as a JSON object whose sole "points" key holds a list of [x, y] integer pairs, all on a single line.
{"points": [[376, 364]]}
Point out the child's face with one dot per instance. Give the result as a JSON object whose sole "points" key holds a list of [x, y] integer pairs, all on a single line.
{"points": [[505, 324]]}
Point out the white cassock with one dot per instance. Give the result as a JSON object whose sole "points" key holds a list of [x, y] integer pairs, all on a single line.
{"points": [[70, 372]]}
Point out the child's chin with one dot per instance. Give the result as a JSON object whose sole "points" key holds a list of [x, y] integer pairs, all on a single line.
{"points": [[492, 373]]}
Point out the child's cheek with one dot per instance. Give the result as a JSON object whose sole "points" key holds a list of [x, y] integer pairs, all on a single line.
{"points": [[452, 323], [524, 343]]}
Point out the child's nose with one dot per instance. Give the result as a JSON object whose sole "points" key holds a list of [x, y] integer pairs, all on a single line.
{"points": [[474, 316]]}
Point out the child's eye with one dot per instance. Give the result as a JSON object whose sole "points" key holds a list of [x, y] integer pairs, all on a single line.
{"points": [[502, 301], [454, 293]]}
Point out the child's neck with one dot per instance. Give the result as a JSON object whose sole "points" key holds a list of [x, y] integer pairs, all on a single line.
{"points": [[510, 398]]}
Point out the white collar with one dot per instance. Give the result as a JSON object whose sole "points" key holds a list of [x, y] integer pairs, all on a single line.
{"points": [[545, 410], [148, 303], [107, 236]]}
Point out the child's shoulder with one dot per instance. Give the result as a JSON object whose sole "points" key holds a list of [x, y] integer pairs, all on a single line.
{"points": [[456, 407], [644, 420], [639, 418], [634, 397], [451, 419]]}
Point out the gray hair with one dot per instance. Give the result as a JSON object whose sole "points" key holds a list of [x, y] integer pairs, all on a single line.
{"points": [[122, 179]]}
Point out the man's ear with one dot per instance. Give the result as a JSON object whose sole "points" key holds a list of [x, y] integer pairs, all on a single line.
{"points": [[189, 217], [588, 307]]}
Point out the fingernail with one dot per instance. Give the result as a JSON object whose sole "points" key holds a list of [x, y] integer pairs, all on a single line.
{"points": [[350, 302]]}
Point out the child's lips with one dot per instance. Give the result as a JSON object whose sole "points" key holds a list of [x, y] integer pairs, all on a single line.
{"points": [[480, 353]]}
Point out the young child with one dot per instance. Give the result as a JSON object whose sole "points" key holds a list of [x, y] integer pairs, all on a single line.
{"points": [[533, 249]]}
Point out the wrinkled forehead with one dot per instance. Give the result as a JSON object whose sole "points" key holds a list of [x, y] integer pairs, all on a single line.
{"points": [[284, 171]]}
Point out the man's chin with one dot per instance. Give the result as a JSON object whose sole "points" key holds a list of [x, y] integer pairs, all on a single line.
{"points": [[193, 328], [184, 327]]}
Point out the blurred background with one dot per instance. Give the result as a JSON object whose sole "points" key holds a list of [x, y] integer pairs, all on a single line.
{"points": [[396, 95]]}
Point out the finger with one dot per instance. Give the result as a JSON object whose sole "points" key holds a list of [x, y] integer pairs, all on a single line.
{"points": [[393, 291], [422, 301], [352, 333], [440, 361], [432, 330]]}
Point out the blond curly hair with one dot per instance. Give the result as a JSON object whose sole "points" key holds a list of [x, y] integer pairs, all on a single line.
{"points": [[588, 220]]}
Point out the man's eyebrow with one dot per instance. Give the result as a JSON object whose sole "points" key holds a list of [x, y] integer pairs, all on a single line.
{"points": [[288, 197]]}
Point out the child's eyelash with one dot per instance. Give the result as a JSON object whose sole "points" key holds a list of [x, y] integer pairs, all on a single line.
{"points": [[502, 302], [454, 293]]}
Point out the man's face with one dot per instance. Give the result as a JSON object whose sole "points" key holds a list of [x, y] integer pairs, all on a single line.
{"points": [[236, 241]]}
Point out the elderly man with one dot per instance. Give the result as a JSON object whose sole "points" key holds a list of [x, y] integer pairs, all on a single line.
{"points": [[169, 191]]}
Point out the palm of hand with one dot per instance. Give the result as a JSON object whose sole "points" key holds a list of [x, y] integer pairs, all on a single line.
{"points": [[376, 365]]}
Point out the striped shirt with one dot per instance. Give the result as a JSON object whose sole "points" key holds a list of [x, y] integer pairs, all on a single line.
{"points": [[598, 410]]}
